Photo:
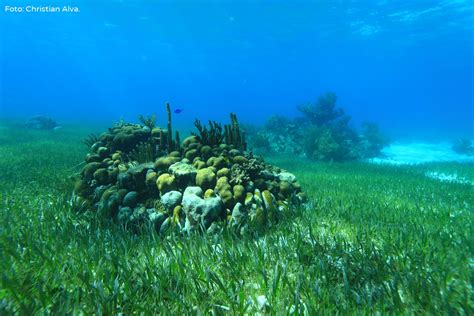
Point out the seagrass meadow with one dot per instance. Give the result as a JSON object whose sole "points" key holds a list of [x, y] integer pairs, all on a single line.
{"points": [[372, 238]]}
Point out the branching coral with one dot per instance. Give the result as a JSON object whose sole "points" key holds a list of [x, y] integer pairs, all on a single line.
{"points": [[149, 121], [323, 111], [242, 173], [143, 152], [212, 136], [90, 140]]}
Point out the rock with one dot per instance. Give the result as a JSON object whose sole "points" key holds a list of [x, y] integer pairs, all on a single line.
{"points": [[101, 176], [258, 217], [184, 173], [267, 175], [155, 132], [206, 178], [238, 215], [224, 189], [125, 180], [214, 228], [82, 188], [166, 183], [117, 156], [240, 160], [130, 199], [227, 198], [217, 162], [194, 146], [270, 204], [250, 186], [209, 193], [234, 152], [286, 176], [177, 212], [191, 154], [103, 152], [110, 201], [175, 153], [89, 170], [224, 172], [155, 217], [239, 193], [285, 188], [193, 191], [262, 302], [199, 211], [206, 151], [151, 178], [171, 199], [138, 173], [93, 158], [165, 226], [223, 184], [199, 164], [164, 163], [124, 214], [189, 140], [249, 199]]}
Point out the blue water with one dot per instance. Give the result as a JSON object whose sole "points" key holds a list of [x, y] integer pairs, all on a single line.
{"points": [[407, 65]]}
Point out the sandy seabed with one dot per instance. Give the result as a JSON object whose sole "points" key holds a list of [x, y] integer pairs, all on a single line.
{"points": [[417, 152]]}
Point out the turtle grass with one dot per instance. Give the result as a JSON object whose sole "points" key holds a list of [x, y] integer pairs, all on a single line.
{"points": [[374, 239]]}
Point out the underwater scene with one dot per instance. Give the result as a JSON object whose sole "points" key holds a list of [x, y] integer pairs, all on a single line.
{"points": [[237, 157]]}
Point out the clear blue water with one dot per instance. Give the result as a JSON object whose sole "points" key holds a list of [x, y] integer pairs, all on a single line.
{"points": [[407, 65]]}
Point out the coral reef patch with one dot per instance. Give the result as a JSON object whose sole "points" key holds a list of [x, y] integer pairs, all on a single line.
{"points": [[141, 173], [322, 133], [41, 122]]}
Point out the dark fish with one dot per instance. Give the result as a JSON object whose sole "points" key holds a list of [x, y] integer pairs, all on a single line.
{"points": [[177, 111]]}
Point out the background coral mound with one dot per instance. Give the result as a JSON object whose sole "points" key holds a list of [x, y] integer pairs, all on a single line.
{"points": [[139, 174]]}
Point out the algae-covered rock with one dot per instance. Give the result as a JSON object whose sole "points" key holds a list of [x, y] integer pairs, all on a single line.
{"points": [[101, 176], [205, 178], [240, 159], [239, 215], [206, 151], [225, 191], [224, 172], [166, 183], [103, 152], [200, 212], [285, 188], [164, 163], [191, 154], [175, 153], [89, 169], [209, 193], [151, 178], [184, 173], [199, 164], [270, 204], [130, 199], [171, 199], [239, 193], [189, 140], [82, 188], [286, 176]]}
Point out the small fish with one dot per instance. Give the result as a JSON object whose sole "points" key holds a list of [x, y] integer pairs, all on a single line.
{"points": [[177, 111]]}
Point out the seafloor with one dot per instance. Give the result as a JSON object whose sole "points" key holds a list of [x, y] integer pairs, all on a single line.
{"points": [[375, 238]]}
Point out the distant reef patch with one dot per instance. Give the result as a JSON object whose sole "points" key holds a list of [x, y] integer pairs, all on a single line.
{"points": [[142, 173], [322, 133]]}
